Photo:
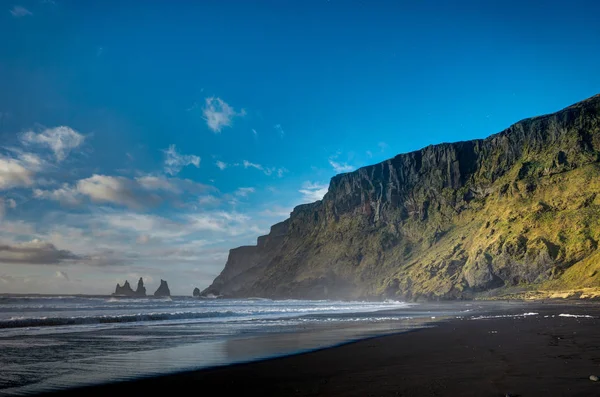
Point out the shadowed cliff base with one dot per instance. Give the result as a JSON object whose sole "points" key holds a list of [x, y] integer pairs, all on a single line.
{"points": [[518, 211]]}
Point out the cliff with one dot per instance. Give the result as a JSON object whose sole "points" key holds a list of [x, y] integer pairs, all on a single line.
{"points": [[517, 209]]}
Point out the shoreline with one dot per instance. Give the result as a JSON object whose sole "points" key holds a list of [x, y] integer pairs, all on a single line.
{"points": [[521, 355]]}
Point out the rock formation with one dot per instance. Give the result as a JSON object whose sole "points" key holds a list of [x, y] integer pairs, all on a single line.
{"points": [[163, 289], [126, 290], [141, 290], [196, 292], [454, 220]]}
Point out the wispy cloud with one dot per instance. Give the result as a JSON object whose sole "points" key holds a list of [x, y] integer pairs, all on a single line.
{"points": [[279, 171], [174, 162], [218, 114], [208, 200], [60, 140], [116, 190], [221, 164], [19, 12], [138, 193], [14, 174], [369, 154], [4, 204], [339, 166], [244, 191], [279, 130], [313, 191], [18, 168], [66, 195], [383, 146], [254, 133]]}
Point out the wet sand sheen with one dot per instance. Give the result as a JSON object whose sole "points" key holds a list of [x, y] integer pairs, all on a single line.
{"points": [[536, 355]]}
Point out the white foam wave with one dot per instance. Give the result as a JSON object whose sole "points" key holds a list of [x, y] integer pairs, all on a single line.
{"points": [[575, 315], [505, 316]]}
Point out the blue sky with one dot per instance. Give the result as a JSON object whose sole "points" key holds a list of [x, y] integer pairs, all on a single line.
{"points": [[149, 140]]}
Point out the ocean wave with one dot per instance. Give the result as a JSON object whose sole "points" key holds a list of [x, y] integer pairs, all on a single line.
{"points": [[24, 322], [575, 315], [505, 316]]}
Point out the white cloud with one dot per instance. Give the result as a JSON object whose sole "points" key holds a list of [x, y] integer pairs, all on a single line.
{"points": [[218, 114], [174, 161], [266, 170], [61, 140], [312, 192], [382, 146], [339, 166], [208, 200], [248, 164], [65, 195], [244, 191], [19, 12], [222, 165], [18, 171], [254, 133], [136, 193], [114, 189], [369, 154], [279, 129]]}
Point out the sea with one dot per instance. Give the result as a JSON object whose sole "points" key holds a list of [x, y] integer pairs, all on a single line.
{"points": [[49, 343]]}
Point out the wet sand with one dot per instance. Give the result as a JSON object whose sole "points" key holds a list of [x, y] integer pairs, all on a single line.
{"points": [[541, 355]]}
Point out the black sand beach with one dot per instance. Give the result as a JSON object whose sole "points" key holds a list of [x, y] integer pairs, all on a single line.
{"points": [[541, 355]]}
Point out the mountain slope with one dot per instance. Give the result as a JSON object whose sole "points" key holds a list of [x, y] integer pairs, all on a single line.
{"points": [[519, 208]]}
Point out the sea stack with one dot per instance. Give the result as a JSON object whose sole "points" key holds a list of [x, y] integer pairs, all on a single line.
{"points": [[196, 292], [163, 289], [141, 290], [124, 290]]}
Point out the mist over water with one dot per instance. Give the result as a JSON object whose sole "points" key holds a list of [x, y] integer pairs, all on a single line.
{"points": [[49, 343]]}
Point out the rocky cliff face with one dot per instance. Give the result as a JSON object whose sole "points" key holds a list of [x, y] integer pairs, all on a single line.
{"points": [[520, 208]]}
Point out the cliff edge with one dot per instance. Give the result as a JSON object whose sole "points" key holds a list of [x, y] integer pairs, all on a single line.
{"points": [[519, 209]]}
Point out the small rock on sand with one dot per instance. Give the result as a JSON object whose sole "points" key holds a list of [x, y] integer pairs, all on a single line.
{"points": [[593, 378]]}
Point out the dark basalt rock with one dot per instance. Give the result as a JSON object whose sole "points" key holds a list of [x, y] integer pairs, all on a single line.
{"points": [[448, 221], [141, 290], [163, 289], [196, 292], [125, 290]]}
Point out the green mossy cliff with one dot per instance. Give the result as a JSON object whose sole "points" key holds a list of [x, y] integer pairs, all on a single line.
{"points": [[519, 209]]}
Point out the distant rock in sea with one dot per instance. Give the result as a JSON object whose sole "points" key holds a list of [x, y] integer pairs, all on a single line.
{"points": [[196, 292], [141, 290], [163, 289], [126, 290]]}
